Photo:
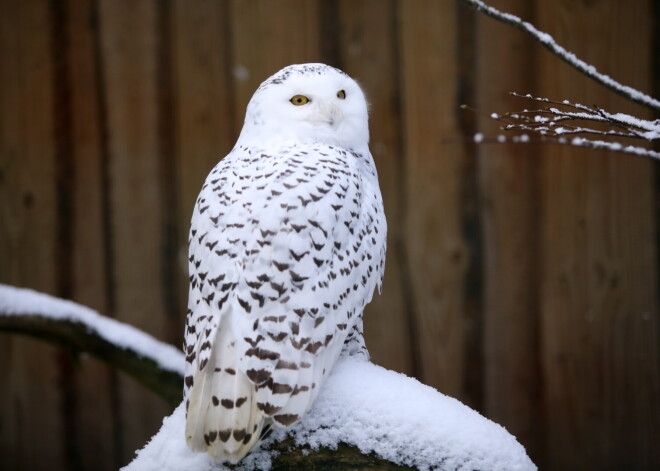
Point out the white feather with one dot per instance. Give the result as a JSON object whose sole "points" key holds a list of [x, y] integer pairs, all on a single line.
{"points": [[287, 244]]}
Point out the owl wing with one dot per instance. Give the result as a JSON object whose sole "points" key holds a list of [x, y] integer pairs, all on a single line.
{"points": [[211, 379], [293, 249]]}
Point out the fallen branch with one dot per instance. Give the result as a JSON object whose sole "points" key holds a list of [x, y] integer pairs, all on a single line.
{"points": [[78, 337], [358, 421], [156, 365], [365, 417], [72, 326]]}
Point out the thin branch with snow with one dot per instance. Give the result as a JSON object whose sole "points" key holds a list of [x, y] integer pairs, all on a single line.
{"points": [[569, 123], [570, 58]]}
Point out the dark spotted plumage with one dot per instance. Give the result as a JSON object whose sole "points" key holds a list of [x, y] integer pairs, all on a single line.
{"points": [[287, 245]]}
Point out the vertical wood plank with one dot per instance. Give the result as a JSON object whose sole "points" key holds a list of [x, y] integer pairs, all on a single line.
{"points": [[509, 212], [205, 130], [437, 255], [367, 34], [172, 292], [94, 435], [30, 397], [267, 36], [581, 245], [129, 42], [599, 286]]}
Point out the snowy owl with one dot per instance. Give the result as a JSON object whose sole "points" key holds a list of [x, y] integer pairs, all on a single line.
{"points": [[287, 244]]}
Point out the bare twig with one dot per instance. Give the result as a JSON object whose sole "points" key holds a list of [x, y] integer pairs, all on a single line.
{"points": [[613, 146], [556, 123], [631, 126], [570, 58]]}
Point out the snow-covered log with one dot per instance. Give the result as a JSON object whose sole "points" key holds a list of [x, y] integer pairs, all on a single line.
{"points": [[394, 421], [365, 417]]}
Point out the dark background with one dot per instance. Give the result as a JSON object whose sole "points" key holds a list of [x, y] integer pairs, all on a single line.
{"points": [[521, 279]]}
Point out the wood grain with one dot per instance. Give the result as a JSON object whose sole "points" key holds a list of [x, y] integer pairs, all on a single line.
{"points": [[129, 49], [267, 36], [92, 426], [203, 113], [599, 277], [30, 397], [374, 64], [520, 279], [436, 252], [509, 213]]}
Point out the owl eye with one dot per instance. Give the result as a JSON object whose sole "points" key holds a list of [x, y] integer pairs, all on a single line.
{"points": [[299, 100], [341, 94]]}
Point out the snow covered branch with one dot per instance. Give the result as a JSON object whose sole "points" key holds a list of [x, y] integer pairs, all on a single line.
{"points": [[156, 365], [365, 416], [583, 126], [570, 58]]}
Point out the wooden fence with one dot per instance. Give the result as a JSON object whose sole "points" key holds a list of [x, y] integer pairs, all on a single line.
{"points": [[521, 278]]}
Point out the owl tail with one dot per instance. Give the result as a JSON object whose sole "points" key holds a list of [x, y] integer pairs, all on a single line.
{"points": [[222, 417]]}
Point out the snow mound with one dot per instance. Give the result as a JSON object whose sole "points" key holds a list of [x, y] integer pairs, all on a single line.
{"points": [[361, 404], [22, 301], [378, 411]]}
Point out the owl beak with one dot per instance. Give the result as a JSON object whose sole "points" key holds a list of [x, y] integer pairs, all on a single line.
{"points": [[329, 114]]}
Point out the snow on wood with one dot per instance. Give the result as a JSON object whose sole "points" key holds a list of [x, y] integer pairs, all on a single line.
{"points": [[26, 302], [371, 408], [374, 410]]}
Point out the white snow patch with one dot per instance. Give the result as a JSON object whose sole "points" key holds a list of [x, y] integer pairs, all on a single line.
{"points": [[478, 137], [22, 301], [649, 130], [376, 410], [614, 146], [167, 451], [578, 141]]}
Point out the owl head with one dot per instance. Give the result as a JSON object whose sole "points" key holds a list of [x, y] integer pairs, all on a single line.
{"points": [[310, 103]]}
